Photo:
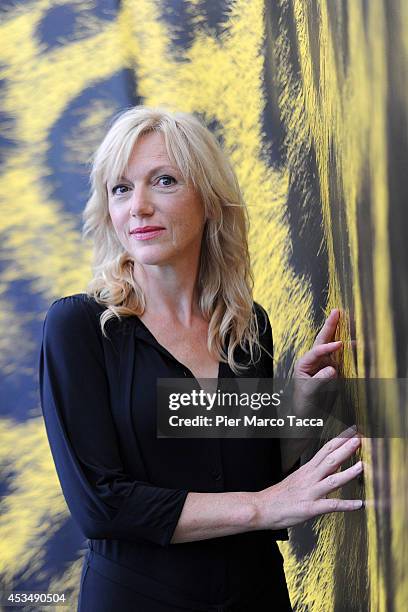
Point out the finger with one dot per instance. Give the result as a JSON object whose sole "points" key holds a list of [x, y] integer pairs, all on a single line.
{"points": [[318, 356], [332, 445], [328, 359], [309, 388], [326, 334], [333, 460], [321, 350], [325, 373], [324, 506], [339, 479]]}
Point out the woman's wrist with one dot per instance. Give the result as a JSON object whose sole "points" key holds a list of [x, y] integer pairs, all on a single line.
{"points": [[266, 516], [256, 512], [250, 511]]}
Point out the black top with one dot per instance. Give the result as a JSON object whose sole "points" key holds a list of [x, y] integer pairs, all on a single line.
{"points": [[124, 486]]}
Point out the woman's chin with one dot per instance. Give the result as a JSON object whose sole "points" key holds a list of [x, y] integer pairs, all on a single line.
{"points": [[151, 258]]}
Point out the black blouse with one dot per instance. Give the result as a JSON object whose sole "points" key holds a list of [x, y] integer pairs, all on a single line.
{"points": [[125, 487]]}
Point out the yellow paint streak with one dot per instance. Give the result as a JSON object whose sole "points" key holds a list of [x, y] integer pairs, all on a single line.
{"points": [[386, 362], [399, 447], [59, 74], [351, 140], [34, 509], [15, 347], [311, 584], [399, 513], [333, 113]]}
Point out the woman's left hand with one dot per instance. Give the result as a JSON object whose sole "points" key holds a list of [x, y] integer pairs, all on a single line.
{"points": [[311, 374], [315, 368], [318, 362]]}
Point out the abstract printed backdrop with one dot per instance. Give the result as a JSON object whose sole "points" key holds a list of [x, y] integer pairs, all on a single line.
{"points": [[310, 101]]}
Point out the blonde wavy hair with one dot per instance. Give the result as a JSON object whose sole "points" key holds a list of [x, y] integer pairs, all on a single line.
{"points": [[225, 279]]}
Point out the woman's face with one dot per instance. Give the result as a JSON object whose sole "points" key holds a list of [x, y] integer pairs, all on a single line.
{"points": [[153, 194]]}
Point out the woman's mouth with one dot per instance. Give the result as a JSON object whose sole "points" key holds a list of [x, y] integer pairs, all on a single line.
{"points": [[147, 233]]}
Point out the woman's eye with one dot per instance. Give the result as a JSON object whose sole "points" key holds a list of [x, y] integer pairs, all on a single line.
{"points": [[119, 187], [166, 178]]}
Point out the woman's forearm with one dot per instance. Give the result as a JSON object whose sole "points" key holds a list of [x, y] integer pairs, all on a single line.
{"points": [[300, 496], [212, 515]]}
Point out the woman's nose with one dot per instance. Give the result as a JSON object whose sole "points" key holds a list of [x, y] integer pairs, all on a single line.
{"points": [[140, 203]]}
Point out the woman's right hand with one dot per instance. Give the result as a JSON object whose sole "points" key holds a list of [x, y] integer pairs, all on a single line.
{"points": [[302, 495]]}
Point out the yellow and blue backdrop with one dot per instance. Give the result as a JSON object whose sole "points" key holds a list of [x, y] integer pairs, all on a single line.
{"points": [[309, 99]]}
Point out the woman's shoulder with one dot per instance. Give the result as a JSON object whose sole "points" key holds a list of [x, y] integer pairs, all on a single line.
{"points": [[76, 309], [75, 303]]}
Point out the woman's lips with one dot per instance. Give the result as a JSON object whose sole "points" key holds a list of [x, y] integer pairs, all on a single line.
{"points": [[147, 235]]}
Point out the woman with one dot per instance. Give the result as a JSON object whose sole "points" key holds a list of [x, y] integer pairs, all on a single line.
{"points": [[173, 524]]}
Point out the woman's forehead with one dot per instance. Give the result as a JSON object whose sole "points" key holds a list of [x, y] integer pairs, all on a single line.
{"points": [[148, 144], [147, 156], [145, 159], [150, 151]]}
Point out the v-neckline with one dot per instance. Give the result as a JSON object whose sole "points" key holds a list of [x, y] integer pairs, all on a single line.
{"points": [[169, 354]]}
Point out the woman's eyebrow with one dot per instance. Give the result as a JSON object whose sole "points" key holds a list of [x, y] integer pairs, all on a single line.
{"points": [[152, 171], [160, 168]]}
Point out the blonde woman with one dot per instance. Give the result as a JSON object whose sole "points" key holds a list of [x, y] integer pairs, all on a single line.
{"points": [[173, 524]]}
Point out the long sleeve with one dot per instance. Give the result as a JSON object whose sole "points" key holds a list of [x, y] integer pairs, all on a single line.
{"points": [[103, 499]]}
